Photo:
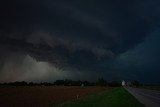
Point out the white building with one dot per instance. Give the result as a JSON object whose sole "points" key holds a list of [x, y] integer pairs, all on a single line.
{"points": [[123, 83]]}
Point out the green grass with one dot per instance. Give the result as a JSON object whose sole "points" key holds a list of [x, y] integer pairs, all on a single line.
{"points": [[117, 97]]}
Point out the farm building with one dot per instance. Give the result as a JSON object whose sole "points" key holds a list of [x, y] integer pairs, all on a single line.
{"points": [[123, 83]]}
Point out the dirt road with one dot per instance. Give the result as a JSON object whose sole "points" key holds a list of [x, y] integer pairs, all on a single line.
{"points": [[149, 98]]}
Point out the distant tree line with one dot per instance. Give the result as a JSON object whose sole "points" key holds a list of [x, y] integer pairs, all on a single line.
{"points": [[23, 83], [69, 82], [136, 83]]}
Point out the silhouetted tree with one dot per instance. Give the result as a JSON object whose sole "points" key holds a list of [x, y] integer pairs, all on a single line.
{"points": [[31, 84], [101, 82], [17, 83], [114, 84], [136, 83], [59, 82]]}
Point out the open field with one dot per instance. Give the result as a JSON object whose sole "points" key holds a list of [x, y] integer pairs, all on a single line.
{"points": [[42, 96], [152, 87], [117, 97]]}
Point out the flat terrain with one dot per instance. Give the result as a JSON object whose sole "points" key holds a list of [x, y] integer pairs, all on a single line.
{"points": [[117, 97], [157, 88], [42, 96], [150, 98]]}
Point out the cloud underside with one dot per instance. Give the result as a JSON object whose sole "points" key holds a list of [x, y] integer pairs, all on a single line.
{"points": [[75, 35]]}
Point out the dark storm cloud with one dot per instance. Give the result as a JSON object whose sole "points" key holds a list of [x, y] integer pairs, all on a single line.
{"points": [[142, 62], [76, 34]]}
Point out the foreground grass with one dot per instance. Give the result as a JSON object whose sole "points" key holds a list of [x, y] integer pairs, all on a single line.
{"points": [[117, 97]]}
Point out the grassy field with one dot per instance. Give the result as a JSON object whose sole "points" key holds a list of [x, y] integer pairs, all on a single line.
{"points": [[117, 97]]}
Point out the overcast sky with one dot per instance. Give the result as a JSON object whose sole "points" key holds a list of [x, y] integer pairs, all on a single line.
{"points": [[46, 40]]}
